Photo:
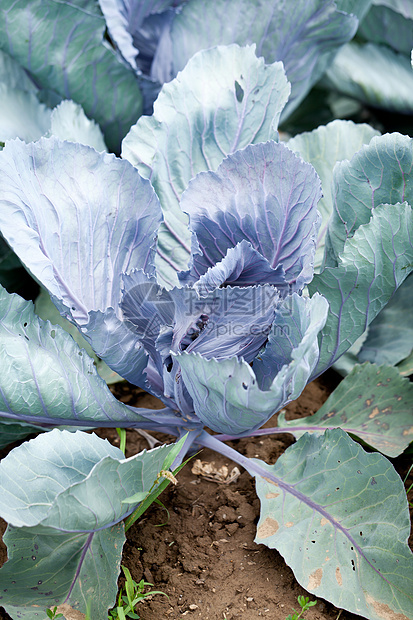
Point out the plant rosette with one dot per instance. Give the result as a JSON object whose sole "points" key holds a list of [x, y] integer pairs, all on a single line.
{"points": [[189, 269]]}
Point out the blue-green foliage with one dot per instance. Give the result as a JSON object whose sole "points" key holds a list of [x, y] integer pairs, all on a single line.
{"points": [[188, 266]]}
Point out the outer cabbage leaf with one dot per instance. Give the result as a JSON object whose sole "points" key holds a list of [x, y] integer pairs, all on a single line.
{"points": [[382, 25], [105, 217], [400, 6], [405, 367], [373, 264], [302, 39], [228, 396], [43, 571], [81, 470], [12, 74], [47, 311], [339, 517], [374, 403], [45, 377], [379, 173], [390, 336], [66, 191], [264, 194], [61, 46], [10, 432], [63, 493], [373, 74], [21, 114], [323, 148], [224, 100], [69, 122]]}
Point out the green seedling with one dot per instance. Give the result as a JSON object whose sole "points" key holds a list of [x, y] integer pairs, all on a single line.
{"points": [[122, 438], [305, 604], [129, 596], [161, 482], [51, 613]]}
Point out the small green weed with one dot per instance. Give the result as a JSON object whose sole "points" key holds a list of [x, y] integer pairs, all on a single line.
{"points": [[129, 597], [122, 439], [51, 613], [305, 604]]}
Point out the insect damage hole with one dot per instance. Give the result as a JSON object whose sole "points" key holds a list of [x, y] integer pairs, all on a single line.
{"points": [[239, 92]]}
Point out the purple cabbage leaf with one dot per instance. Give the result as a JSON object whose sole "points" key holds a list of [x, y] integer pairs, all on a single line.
{"points": [[265, 196], [331, 509], [103, 237], [65, 496], [46, 378], [373, 403]]}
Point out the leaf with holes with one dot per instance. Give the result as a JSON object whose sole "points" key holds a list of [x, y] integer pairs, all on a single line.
{"points": [[339, 517], [374, 403]]}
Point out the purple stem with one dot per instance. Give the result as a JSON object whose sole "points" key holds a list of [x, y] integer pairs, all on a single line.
{"points": [[189, 441], [79, 567], [259, 432], [162, 420], [292, 429]]}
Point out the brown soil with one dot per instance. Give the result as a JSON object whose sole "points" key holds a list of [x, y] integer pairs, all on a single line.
{"points": [[200, 550]]}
